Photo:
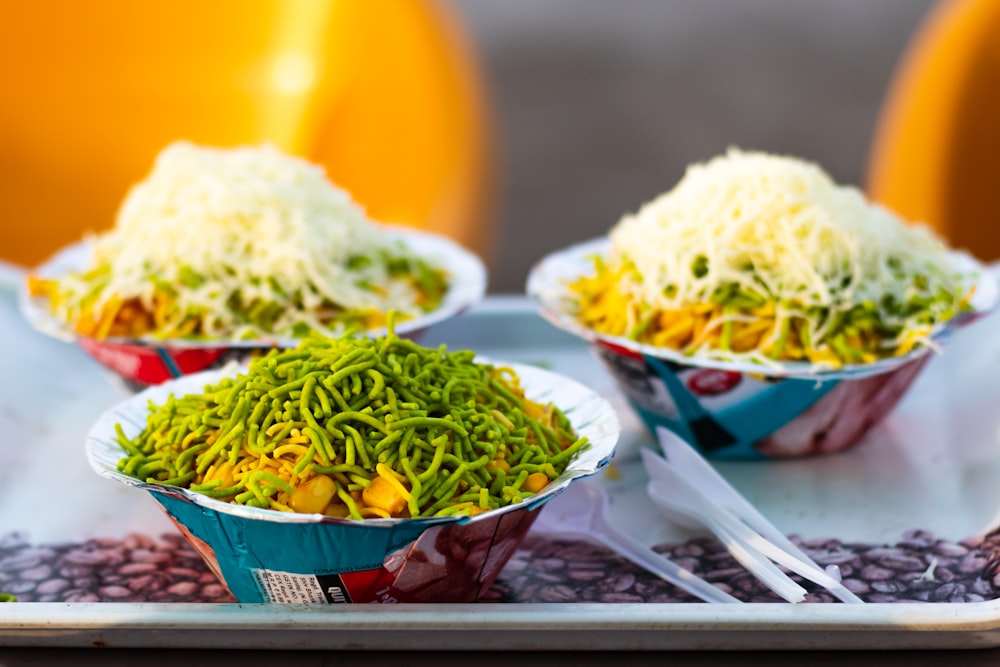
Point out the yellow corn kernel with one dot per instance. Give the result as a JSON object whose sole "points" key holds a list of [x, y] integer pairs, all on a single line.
{"points": [[535, 482], [337, 510], [498, 464], [313, 496], [382, 494]]}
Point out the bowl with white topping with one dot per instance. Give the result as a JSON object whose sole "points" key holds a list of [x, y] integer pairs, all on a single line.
{"points": [[219, 251], [759, 309]]}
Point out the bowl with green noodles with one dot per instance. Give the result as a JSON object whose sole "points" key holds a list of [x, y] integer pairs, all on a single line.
{"points": [[401, 473]]}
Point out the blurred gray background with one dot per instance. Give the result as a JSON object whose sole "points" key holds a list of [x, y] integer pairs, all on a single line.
{"points": [[600, 104]]}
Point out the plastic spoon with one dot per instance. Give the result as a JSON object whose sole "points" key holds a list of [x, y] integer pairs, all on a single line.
{"points": [[700, 474], [674, 495], [743, 519], [672, 491], [582, 510]]}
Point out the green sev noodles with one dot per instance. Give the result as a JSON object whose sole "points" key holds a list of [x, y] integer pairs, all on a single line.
{"points": [[357, 428]]}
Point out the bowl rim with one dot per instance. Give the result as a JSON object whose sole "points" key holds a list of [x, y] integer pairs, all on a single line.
{"points": [[546, 287], [468, 283], [590, 414]]}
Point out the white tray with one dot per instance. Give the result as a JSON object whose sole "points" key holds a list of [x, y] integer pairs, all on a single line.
{"points": [[932, 466]]}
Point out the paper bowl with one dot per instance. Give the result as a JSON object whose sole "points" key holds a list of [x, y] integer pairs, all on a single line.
{"points": [[265, 555], [740, 410], [149, 361]]}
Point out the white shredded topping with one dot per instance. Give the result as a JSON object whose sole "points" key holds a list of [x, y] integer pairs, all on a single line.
{"points": [[778, 227], [247, 220]]}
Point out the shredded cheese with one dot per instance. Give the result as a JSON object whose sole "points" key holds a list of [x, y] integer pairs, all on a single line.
{"points": [[775, 226], [249, 222]]}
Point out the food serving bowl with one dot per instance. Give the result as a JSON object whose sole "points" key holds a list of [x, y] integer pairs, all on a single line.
{"points": [[742, 410], [265, 555], [149, 360]]}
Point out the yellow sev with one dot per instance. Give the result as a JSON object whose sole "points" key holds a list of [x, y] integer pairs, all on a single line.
{"points": [[132, 318], [288, 469], [767, 331]]}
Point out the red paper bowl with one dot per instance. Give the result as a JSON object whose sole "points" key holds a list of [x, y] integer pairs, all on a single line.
{"points": [[149, 361]]}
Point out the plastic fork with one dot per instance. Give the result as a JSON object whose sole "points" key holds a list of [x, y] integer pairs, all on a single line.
{"points": [[686, 486], [683, 504], [581, 510]]}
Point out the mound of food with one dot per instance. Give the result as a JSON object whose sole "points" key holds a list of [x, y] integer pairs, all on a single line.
{"points": [[357, 427], [760, 257], [239, 244]]}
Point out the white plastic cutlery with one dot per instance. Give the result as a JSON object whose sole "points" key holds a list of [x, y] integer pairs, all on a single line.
{"points": [[674, 496], [581, 510], [686, 506], [688, 489]]}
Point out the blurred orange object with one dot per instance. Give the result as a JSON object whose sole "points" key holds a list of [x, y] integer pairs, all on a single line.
{"points": [[936, 148], [385, 95]]}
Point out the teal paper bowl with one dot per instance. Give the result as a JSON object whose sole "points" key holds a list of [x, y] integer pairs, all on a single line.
{"points": [[265, 555], [741, 410]]}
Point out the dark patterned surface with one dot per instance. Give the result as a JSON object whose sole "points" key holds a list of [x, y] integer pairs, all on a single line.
{"points": [[920, 568]]}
